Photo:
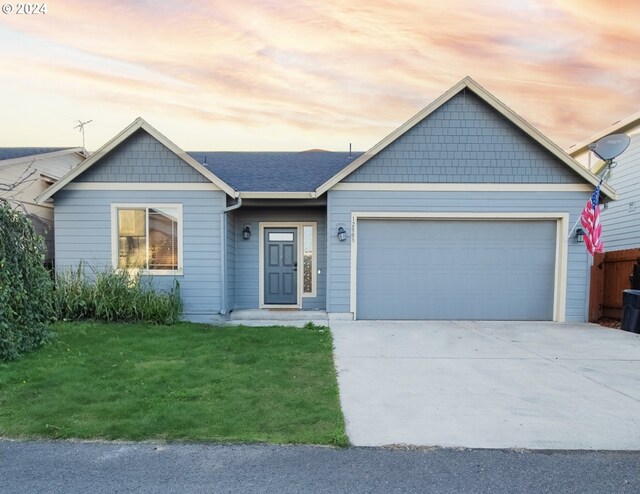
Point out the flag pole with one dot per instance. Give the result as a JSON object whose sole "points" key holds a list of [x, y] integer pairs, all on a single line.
{"points": [[573, 228]]}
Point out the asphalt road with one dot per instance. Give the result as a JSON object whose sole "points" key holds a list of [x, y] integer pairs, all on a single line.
{"points": [[70, 467]]}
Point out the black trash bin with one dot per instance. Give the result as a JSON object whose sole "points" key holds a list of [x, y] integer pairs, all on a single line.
{"points": [[631, 311]]}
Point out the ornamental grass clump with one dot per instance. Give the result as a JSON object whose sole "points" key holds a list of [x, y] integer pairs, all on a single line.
{"points": [[114, 295], [25, 285]]}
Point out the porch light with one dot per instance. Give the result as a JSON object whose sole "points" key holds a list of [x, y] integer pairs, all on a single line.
{"points": [[342, 234], [579, 235], [246, 232]]}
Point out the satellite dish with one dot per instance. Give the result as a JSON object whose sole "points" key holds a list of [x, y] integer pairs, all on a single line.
{"points": [[610, 146]]}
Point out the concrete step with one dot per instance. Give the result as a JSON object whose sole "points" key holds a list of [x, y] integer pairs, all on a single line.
{"points": [[275, 322], [278, 315]]}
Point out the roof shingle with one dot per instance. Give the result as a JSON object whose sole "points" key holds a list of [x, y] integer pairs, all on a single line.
{"points": [[275, 171]]}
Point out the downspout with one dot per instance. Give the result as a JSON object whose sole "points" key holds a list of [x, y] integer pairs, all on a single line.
{"points": [[223, 254]]}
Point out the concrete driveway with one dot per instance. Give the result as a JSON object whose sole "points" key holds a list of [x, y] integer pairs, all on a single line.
{"points": [[489, 384]]}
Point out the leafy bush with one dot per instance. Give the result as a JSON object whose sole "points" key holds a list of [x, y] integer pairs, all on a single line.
{"points": [[25, 285], [112, 295]]}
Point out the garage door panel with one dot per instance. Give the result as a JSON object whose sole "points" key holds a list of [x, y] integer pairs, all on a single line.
{"points": [[455, 269]]}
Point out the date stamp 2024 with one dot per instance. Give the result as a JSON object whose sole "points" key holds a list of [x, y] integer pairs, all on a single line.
{"points": [[24, 8]]}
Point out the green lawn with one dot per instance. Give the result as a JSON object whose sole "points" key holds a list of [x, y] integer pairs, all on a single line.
{"points": [[185, 382]]}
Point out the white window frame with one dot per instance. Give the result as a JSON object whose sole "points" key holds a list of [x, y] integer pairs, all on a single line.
{"points": [[144, 205]]}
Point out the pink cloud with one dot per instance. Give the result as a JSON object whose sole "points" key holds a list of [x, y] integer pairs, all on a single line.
{"points": [[568, 66]]}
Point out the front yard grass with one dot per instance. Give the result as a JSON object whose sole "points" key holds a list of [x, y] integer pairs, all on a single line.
{"points": [[186, 382]]}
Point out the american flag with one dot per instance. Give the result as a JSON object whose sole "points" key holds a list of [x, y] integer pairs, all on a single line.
{"points": [[590, 220]]}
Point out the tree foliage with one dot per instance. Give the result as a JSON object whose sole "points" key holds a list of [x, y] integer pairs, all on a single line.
{"points": [[25, 285]]}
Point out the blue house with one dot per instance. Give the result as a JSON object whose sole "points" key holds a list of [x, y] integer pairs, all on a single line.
{"points": [[464, 212]]}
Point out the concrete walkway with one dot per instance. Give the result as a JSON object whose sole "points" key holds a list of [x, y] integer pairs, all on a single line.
{"points": [[489, 384]]}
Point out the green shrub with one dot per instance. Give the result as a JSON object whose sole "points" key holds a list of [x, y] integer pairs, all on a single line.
{"points": [[114, 295], [314, 327], [25, 285]]}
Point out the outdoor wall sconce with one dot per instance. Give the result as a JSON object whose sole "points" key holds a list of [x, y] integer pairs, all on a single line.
{"points": [[579, 235], [342, 234], [246, 232]]}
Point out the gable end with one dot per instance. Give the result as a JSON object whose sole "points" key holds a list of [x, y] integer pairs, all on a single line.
{"points": [[464, 141], [141, 158]]}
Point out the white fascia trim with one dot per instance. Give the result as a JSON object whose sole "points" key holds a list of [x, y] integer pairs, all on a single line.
{"points": [[96, 156], [417, 118], [145, 205], [188, 159], [464, 187], [538, 136], [140, 186], [277, 195], [137, 124], [497, 105], [561, 262]]}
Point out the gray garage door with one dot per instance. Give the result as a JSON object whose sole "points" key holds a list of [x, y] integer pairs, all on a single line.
{"points": [[478, 270]]}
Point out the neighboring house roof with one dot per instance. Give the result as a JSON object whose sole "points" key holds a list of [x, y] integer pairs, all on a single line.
{"points": [[629, 125], [275, 171], [26, 172], [12, 153], [21, 168], [469, 84], [137, 124], [11, 156]]}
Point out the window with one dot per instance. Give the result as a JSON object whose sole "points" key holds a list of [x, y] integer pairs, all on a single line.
{"points": [[148, 238], [309, 260], [280, 237]]}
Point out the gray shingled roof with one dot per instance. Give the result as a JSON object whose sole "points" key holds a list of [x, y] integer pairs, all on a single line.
{"points": [[12, 153], [274, 171]]}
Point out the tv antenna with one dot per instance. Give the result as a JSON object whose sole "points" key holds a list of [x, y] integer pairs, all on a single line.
{"points": [[608, 148], [80, 128]]}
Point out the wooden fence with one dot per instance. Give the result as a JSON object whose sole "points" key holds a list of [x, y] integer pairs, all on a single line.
{"points": [[610, 275]]}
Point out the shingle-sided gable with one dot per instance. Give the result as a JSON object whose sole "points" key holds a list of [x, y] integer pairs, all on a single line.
{"points": [[141, 158], [464, 141]]}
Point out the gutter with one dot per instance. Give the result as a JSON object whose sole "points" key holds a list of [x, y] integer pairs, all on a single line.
{"points": [[223, 253]]}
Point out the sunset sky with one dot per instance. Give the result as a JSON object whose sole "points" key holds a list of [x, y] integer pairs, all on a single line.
{"points": [[292, 75]]}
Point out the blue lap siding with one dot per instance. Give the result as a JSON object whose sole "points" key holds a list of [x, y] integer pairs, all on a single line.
{"points": [[342, 203], [464, 141], [83, 233], [621, 220], [247, 252]]}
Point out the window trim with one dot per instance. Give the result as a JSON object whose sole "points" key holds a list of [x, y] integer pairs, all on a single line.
{"points": [[144, 205]]}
